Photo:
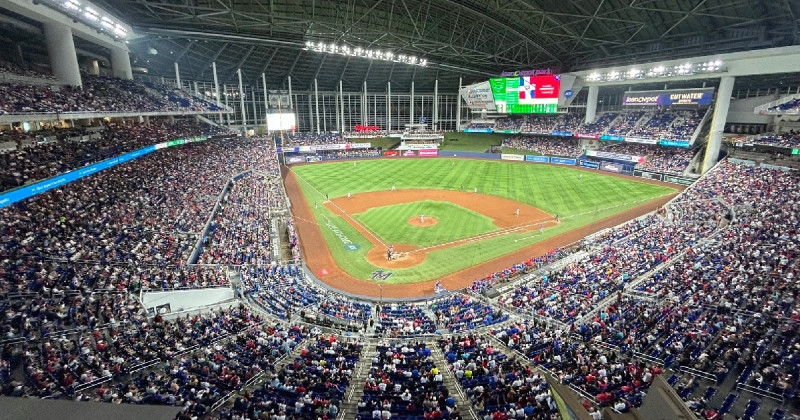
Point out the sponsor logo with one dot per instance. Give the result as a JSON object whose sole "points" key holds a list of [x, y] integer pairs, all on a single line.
{"points": [[339, 234], [537, 159], [352, 247], [428, 152], [505, 156], [390, 153], [524, 73], [379, 274]]}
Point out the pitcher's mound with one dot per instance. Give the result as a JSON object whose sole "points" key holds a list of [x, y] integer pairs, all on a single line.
{"points": [[429, 221]]}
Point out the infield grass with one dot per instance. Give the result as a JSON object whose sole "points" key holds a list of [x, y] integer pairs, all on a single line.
{"points": [[553, 189], [390, 223]]}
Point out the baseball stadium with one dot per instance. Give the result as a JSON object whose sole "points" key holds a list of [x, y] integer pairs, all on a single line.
{"points": [[400, 209]]}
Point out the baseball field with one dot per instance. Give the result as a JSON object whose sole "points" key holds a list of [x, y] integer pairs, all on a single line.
{"points": [[442, 216]]}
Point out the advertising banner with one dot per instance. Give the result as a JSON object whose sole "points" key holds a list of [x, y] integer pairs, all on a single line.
{"points": [[537, 159], [615, 156], [648, 175], [561, 134], [428, 153], [477, 130], [409, 153], [390, 153], [586, 136], [314, 159], [48, 184], [562, 161], [678, 180], [278, 99], [612, 138], [337, 146], [590, 164], [640, 140], [674, 143], [611, 167], [519, 158], [418, 146], [479, 96], [699, 97], [294, 159]]}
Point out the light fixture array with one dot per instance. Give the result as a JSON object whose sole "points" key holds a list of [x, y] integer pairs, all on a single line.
{"points": [[88, 14], [365, 53], [658, 72]]}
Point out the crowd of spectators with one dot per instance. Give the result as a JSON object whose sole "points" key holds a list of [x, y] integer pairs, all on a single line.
{"points": [[459, 312], [43, 154], [669, 124], [404, 319], [788, 139], [404, 383], [546, 146], [498, 387], [23, 69], [788, 106], [311, 386], [673, 160], [310, 139], [97, 94]]}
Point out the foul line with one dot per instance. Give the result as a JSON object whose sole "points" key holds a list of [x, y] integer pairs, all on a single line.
{"points": [[340, 209]]}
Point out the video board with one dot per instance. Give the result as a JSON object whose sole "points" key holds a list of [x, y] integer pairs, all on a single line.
{"points": [[526, 95]]}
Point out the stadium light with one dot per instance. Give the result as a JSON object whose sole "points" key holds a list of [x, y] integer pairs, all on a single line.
{"points": [[658, 71], [82, 11], [364, 53]]}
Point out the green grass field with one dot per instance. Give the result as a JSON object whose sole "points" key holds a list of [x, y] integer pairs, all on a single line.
{"points": [[471, 142], [555, 190], [390, 223]]}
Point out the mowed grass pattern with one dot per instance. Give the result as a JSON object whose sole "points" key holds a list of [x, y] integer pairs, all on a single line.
{"points": [[390, 223], [554, 189]]}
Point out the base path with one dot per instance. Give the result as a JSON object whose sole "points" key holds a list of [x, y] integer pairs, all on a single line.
{"points": [[316, 255]]}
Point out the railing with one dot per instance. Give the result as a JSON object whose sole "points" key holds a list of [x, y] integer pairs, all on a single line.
{"points": [[764, 109]]}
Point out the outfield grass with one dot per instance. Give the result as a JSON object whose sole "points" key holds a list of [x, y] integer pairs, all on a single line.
{"points": [[471, 142], [390, 223], [385, 143], [555, 190]]}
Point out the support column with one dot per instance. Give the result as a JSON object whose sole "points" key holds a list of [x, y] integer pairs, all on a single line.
{"points": [[61, 50], [316, 103], [436, 104], [591, 104], [241, 102], [121, 63], [338, 115], [411, 107], [458, 107], [266, 104], [341, 107], [364, 105], [216, 87], [227, 115], [93, 67], [178, 76], [388, 106], [718, 121], [310, 115], [291, 99], [196, 90]]}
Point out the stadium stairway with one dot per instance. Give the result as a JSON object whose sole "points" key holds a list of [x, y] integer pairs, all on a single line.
{"points": [[349, 407], [449, 381]]}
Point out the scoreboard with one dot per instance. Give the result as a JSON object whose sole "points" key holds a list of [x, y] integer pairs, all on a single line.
{"points": [[526, 95]]}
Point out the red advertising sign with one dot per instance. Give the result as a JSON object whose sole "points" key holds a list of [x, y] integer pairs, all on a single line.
{"points": [[423, 153], [367, 128], [390, 153]]}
